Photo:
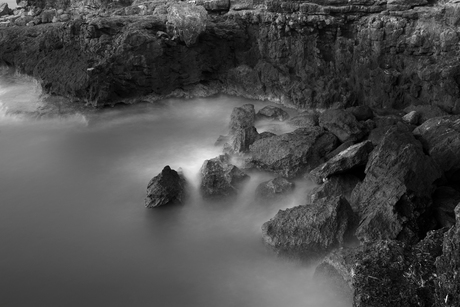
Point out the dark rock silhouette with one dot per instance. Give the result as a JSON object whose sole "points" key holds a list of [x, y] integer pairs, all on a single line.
{"points": [[166, 188]]}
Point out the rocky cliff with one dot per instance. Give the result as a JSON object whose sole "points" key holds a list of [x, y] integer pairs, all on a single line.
{"points": [[309, 54]]}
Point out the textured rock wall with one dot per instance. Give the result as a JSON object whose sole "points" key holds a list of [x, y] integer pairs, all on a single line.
{"points": [[308, 54]]}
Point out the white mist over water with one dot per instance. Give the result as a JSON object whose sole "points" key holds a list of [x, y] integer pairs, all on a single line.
{"points": [[74, 230]]}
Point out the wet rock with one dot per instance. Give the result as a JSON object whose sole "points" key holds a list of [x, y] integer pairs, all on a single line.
{"points": [[353, 157], [4, 9], [188, 21], [426, 112], [305, 120], [361, 112], [396, 190], [342, 124], [166, 188], [310, 230], [274, 189], [242, 117], [336, 185], [339, 149], [445, 199], [219, 178], [242, 131], [448, 267], [292, 154], [412, 118], [441, 139], [272, 112]]}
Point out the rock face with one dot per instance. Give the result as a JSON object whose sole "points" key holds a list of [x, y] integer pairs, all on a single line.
{"points": [[166, 188], [305, 120], [242, 132], [311, 229], [219, 178], [337, 185], [441, 138], [292, 154], [342, 124], [396, 190], [274, 189], [272, 112], [188, 21], [445, 199], [349, 159]]}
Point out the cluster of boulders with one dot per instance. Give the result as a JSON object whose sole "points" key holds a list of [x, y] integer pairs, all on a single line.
{"points": [[387, 179]]}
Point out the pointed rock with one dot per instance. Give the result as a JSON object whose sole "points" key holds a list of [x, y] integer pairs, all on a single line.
{"points": [[168, 187]]}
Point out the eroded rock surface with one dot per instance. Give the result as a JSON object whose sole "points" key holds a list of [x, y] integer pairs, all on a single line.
{"points": [[166, 188], [274, 188]]}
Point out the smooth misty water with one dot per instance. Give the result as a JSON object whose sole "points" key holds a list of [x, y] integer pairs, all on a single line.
{"points": [[74, 230]]}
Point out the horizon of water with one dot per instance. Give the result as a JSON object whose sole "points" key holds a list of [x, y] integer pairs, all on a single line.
{"points": [[74, 230]]}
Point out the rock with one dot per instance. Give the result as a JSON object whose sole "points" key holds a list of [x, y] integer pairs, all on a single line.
{"points": [[64, 17], [274, 189], [217, 5], [396, 190], [386, 271], [445, 199], [376, 135], [310, 230], [336, 185], [387, 120], [4, 9], [242, 117], [219, 178], [272, 112], [401, 5], [266, 134], [342, 124], [305, 120], [21, 3], [448, 267], [351, 158], [166, 188], [221, 140], [292, 154], [441, 139], [47, 16], [361, 112], [412, 118], [426, 112], [188, 21]]}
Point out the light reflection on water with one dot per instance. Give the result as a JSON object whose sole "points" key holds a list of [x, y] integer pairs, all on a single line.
{"points": [[74, 230]]}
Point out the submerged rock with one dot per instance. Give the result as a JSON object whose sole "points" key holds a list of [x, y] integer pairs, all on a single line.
{"points": [[168, 187], [396, 190], [349, 159], [274, 189], [219, 178], [272, 112], [292, 154], [310, 230]]}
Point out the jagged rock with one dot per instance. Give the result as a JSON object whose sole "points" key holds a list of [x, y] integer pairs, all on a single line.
{"points": [[242, 117], [272, 112], [448, 267], [412, 118], [216, 5], [376, 135], [311, 229], [386, 271], [166, 188], [219, 178], [336, 185], [396, 190], [361, 112], [342, 124], [274, 188], [441, 139], [292, 154], [426, 112], [445, 199], [188, 21], [349, 159], [4, 9], [304, 120]]}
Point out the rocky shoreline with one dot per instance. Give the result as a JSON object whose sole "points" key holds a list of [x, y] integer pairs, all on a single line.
{"points": [[378, 82]]}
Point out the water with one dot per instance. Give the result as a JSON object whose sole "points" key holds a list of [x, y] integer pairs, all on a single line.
{"points": [[74, 230]]}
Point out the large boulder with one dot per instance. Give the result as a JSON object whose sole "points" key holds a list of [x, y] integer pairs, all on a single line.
{"points": [[242, 132], [272, 112], [168, 187], [219, 178], [304, 120], [187, 21], [310, 230], [336, 185], [441, 139], [347, 160], [377, 273], [342, 124], [396, 190], [274, 188], [292, 154], [448, 267]]}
